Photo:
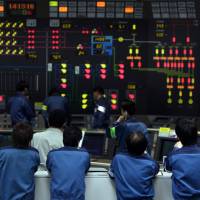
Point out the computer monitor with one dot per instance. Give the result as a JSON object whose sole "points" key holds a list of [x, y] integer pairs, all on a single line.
{"points": [[94, 142]]}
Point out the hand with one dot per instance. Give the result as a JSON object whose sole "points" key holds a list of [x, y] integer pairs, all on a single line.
{"points": [[121, 118]]}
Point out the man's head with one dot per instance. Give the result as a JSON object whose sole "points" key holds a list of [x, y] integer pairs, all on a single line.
{"points": [[186, 131], [72, 136], [57, 118], [136, 143], [22, 87], [22, 135], [98, 92], [128, 108], [53, 91]]}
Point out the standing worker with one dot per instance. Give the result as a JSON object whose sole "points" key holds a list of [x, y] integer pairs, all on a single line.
{"points": [[55, 102], [20, 107], [101, 115]]}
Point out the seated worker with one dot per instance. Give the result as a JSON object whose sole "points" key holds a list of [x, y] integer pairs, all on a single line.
{"points": [[134, 171], [51, 138], [55, 102], [125, 125], [18, 165], [68, 166], [19, 106], [101, 114], [184, 163]]}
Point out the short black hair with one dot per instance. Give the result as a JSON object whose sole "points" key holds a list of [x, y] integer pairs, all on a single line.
{"points": [[136, 143], [72, 136], [54, 90], [128, 106], [186, 130], [99, 89], [22, 86], [22, 135], [57, 118]]}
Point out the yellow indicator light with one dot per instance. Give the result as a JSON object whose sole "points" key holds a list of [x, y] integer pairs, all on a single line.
{"points": [[8, 43], [168, 79], [103, 66], [170, 93], [8, 34], [64, 71], [113, 101], [14, 34], [130, 51], [87, 65], [14, 51], [21, 25], [193, 81], [64, 80], [8, 25], [178, 80], [64, 65], [169, 101], [120, 39], [63, 95], [157, 51], [180, 101], [7, 51], [190, 94], [1, 24], [1, 51], [84, 96], [162, 51], [84, 106], [53, 3], [14, 43], [134, 27], [1, 42], [84, 101], [137, 51], [21, 52], [190, 101], [180, 93], [1, 33]]}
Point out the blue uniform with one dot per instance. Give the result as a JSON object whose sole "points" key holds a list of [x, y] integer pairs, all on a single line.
{"points": [[20, 109], [55, 102], [184, 164], [17, 168], [68, 167], [121, 130], [101, 114], [133, 176]]}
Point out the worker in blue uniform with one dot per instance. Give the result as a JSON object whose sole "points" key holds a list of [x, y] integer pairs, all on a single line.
{"points": [[68, 166], [125, 125], [184, 163], [20, 107], [55, 102], [18, 165], [101, 115], [134, 171]]}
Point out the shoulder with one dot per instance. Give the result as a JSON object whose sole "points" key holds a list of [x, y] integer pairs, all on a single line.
{"points": [[41, 134]]}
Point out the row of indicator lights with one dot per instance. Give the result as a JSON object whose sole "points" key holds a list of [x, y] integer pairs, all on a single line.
{"points": [[8, 42], [176, 65], [55, 39], [8, 33], [84, 100], [99, 4], [17, 51], [103, 71], [179, 80], [114, 100], [7, 25], [63, 79], [120, 71], [176, 51], [187, 40], [31, 39], [87, 71]]}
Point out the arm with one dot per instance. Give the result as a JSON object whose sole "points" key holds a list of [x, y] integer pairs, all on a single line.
{"points": [[167, 164], [29, 109], [48, 163], [156, 168]]}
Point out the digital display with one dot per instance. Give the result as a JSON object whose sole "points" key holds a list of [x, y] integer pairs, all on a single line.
{"points": [[21, 9]]}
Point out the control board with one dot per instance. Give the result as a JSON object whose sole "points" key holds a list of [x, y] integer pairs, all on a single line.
{"points": [[145, 51]]}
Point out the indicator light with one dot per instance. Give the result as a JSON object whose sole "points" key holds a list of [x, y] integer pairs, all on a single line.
{"points": [[187, 39], [137, 51], [173, 39], [129, 10], [1, 98], [101, 4]]}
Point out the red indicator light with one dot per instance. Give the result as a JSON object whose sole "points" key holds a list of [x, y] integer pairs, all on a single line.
{"points": [[121, 76], [174, 39], [191, 52], [103, 71], [103, 76], [185, 52], [114, 96], [187, 39], [189, 65], [171, 52], [182, 80], [1, 98], [87, 71], [189, 80], [158, 64], [171, 79], [193, 65], [131, 96], [63, 85], [139, 64], [132, 64], [114, 107], [176, 51], [121, 66], [121, 71], [87, 76]]}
